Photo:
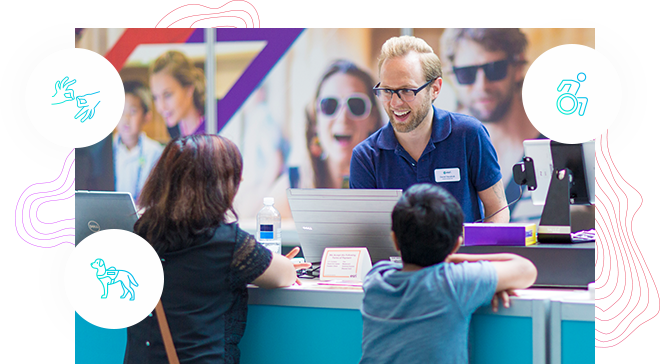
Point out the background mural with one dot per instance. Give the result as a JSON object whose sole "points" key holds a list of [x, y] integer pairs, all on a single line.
{"points": [[266, 87]]}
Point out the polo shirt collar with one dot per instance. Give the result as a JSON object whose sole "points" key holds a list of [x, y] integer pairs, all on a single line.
{"points": [[120, 144], [440, 130]]}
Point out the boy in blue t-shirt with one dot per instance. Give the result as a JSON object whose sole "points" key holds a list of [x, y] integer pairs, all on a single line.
{"points": [[420, 312]]}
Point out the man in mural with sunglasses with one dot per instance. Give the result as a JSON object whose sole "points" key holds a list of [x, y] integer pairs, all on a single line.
{"points": [[424, 144], [487, 72]]}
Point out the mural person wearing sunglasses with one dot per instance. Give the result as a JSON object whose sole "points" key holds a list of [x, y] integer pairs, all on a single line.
{"points": [[343, 113], [487, 74], [422, 143]]}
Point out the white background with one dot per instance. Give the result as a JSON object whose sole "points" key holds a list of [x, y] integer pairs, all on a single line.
{"points": [[10, 269]]}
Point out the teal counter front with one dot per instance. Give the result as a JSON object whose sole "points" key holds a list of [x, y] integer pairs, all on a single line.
{"points": [[322, 324], [572, 326]]}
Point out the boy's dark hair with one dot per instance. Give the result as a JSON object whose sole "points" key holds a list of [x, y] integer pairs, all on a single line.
{"points": [[427, 221], [139, 90]]}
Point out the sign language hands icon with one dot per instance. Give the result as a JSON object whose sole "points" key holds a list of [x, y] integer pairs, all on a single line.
{"points": [[62, 88], [84, 103]]}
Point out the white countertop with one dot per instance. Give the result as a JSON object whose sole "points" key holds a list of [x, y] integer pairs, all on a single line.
{"points": [[311, 294]]}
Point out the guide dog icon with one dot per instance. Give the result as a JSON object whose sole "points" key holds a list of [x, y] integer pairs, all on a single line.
{"points": [[111, 275]]}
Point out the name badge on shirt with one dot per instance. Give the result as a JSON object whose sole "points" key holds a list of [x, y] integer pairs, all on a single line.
{"points": [[447, 175]]}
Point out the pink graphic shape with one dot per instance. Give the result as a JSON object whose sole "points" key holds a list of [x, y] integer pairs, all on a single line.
{"points": [[232, 14]]}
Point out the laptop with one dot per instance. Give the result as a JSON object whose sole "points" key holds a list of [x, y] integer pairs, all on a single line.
{"points": [[344, 218], [96, 211]]}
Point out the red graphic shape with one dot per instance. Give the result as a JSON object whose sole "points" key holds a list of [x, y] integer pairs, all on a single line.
{"points": [[131, 38]]}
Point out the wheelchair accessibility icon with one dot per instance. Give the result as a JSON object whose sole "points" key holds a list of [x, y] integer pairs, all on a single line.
{"points": [[569, 98]]}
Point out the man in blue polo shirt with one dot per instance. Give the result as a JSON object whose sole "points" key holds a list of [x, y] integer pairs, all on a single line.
{"points": [[424, 144]]}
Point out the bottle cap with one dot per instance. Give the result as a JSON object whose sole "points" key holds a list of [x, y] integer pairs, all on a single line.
{"points": [[269, 201]]}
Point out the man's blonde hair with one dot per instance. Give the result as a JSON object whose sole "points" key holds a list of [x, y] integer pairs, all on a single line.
{"points": [[401, 46]]}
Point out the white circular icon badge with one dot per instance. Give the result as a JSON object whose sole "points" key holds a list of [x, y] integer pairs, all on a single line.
{"points": [[114, 279], [75, 97], [572, 94]]}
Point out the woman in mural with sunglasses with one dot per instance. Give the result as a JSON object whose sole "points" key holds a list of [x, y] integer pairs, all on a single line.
{"points": [[343, 113], [179, 90]]}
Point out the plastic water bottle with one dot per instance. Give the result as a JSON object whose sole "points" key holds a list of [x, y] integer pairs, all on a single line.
{"points": [[269, 226]]}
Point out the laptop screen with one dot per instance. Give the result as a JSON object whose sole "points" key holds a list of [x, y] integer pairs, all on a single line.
{"points": [[344, 218], [97, 211]]}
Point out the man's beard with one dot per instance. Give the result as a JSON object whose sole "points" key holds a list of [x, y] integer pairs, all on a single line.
{"points": [[501, 109], [416, 116]]}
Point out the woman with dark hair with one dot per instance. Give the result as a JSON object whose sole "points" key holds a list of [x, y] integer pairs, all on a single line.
{"points": [[207, 260]]}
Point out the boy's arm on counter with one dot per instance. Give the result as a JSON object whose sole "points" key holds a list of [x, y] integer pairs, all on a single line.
{"points": [[513, 271]]}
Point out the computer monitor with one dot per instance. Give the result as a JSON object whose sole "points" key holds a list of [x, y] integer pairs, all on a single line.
{"points": [[344, 218], [101, 210], [558, 175]]}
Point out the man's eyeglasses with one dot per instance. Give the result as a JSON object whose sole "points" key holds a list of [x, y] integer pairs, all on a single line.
{"points": [[405, 94], [359, 105], [494, 71]]}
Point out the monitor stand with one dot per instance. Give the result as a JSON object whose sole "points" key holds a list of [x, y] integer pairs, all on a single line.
{"points": [[555, 224]]}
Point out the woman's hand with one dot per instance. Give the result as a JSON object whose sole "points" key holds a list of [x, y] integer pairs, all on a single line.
{"points": [[297, 266]]}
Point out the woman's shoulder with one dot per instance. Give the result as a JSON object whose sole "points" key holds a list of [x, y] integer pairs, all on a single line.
{"points": [[228, 232], [225, 235]]}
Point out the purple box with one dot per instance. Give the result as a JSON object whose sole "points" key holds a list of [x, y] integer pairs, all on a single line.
{"points": [[499, 234]]}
